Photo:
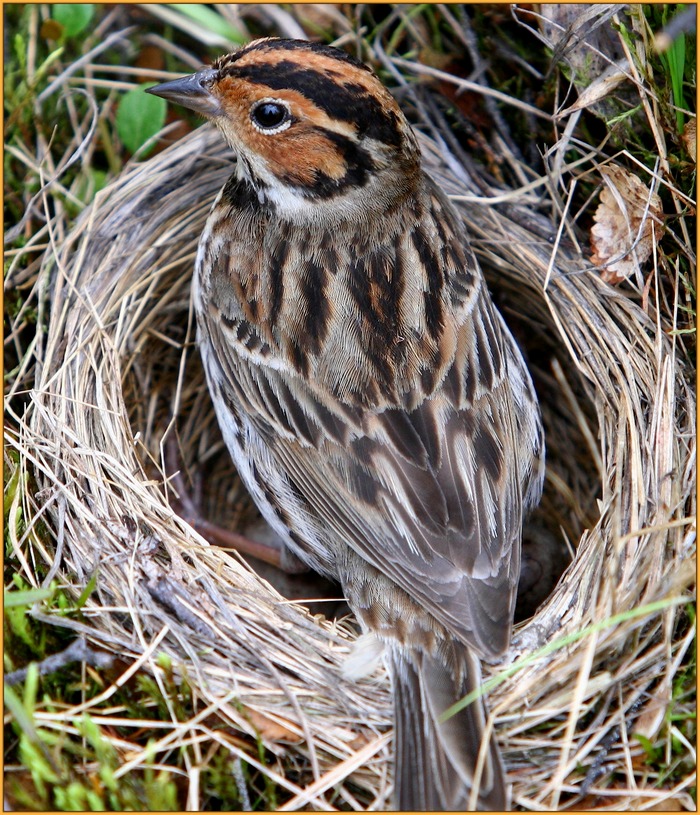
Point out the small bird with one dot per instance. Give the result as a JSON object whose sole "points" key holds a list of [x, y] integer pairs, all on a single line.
{"points": [[375, 404]]}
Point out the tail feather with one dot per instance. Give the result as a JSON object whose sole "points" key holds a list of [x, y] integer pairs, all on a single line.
{"points": [[436, 761]]}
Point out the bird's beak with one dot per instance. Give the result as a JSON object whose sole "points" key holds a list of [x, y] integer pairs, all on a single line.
{"points": [[191, 92]]}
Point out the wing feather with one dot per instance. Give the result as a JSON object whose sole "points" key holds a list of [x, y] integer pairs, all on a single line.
{"points": [[430, 497]]}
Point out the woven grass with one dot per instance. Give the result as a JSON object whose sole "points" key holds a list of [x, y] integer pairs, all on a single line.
{"points": [[116, 383]]}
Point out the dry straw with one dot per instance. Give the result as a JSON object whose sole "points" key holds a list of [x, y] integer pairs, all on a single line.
{"points": [[117, 386]]}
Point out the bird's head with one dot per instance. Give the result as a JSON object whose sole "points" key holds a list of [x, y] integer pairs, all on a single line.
{"points": [[308, 123]]}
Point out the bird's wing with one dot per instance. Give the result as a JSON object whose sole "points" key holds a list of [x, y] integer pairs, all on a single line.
{"points": [[430, 497]]}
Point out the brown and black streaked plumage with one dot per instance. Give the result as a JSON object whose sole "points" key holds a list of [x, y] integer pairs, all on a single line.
{"points": [[373, 400]]}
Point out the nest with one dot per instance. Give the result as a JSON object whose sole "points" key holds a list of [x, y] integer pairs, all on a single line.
{"points": [[117, 384]]}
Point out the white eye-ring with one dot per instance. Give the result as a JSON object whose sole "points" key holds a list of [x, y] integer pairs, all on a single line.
{"points": [[271, 116]]}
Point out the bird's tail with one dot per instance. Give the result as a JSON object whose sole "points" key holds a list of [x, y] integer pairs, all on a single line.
{"points": [[436, 761]]}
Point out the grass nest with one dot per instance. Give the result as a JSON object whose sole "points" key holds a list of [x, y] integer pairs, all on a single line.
{"points": [[116, 384]]}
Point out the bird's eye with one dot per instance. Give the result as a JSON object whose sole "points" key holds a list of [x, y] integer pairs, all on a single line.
{"points": [[271, 116]]}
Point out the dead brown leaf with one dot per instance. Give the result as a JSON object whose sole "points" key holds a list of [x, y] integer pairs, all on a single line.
{"points": [[274, 730], [628, 222], [669, 805], [689, 138]]}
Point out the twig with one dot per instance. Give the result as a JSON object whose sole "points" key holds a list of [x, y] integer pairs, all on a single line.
{"points": [[77, 651]]}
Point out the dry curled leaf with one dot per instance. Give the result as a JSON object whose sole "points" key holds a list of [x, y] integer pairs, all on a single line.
{"points": [[627, 224], [599, 89], [690, 140]]}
